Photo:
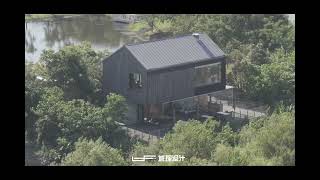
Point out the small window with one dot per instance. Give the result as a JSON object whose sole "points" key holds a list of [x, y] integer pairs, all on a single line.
{"points": [[135, 80]]}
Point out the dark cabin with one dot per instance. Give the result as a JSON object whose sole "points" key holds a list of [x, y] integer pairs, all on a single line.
{"points": [[151, 74]]}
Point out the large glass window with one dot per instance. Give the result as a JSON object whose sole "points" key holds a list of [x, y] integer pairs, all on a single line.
{"points": [[207, 74]]}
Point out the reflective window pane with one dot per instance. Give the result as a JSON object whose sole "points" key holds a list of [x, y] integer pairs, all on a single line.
{"points": [[207, 74]]}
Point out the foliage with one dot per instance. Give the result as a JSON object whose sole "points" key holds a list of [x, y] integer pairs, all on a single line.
{"points": [[138, 26], [200, 138], [265, 141], [227, 155], [93, 153], [141, 149], [54, 116], [33, 92], [270, 141], [156, 22], [49, 106], [116, 107], [194, 140], [273, 31], [251, 43], [270, 83], [76, 70], [48, 156], [68, 116], [61, 122], [37, 16], [278, 78]]}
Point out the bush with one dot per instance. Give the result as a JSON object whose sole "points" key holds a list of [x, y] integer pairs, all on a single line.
{"points": [[269, 141], [94, 153]]}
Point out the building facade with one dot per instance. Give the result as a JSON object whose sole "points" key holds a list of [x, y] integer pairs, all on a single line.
{"points": [[154, 73]]}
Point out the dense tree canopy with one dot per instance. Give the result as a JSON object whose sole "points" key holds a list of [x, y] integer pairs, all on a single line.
{"points": [[193, 139], [73, 123], [77, 70], [64, 102], [272, 82], [93, 153], [33, 92], [265, 141], [269, 141], [70, 120], [252, 43]]}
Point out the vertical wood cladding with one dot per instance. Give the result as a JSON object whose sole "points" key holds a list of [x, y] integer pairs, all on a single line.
{"points": [[157, 86]]}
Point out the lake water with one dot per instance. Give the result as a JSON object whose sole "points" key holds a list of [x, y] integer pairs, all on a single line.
{"points": [[99, 30]]}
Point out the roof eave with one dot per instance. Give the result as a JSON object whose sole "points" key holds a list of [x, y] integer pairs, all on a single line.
{"points": [[184, 64], [117, 51]]}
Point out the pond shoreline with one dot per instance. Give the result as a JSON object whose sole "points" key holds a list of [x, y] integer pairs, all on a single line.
{"points": [[51, 17], [99, 30]]}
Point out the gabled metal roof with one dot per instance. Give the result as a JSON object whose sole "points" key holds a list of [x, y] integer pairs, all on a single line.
{"points": [[175, 51]]}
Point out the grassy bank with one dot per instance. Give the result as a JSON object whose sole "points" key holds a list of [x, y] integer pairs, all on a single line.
{"points": [[30, 17], [138, 26]]}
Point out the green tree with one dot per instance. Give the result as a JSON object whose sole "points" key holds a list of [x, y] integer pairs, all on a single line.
{"points": [[273, 31], [76, 70], [33, 92], [94, 153], [270, 83], [269, 141], [47, 126], [61, 123], [156, 21], [226, 155], [193, 139], [277, 79], [116, 107]]}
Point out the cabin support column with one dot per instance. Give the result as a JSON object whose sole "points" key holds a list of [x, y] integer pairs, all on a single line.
{"points": [[162, 109], [174, 113], [197, 107]]}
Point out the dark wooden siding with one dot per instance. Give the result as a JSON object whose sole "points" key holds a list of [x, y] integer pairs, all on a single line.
{"points": [[168, 86], [116, 69], [158, 86]]}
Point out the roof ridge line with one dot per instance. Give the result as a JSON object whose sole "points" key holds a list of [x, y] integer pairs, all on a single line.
{"points": [[205, 48], [162, 39]]}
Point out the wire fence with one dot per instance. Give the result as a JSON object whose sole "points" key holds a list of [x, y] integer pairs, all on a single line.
{"points": [[240, 109], [148, 136], [236, 102], [241, 113]]}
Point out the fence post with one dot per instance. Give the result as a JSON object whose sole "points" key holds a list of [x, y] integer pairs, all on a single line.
{"points": [[254, 114], [247, 114]]}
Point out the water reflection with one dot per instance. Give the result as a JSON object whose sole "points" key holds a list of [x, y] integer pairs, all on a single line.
{"points": [[99, 30], [29, 43]]}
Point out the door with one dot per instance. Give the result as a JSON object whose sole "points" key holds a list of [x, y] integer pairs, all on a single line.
{"points": [[140, 113]]}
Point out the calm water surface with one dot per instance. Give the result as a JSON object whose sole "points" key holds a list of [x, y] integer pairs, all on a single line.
{"points": [[99, 30]]}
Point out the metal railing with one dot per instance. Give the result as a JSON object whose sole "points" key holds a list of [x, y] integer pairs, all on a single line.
{"points": [[238, 113], [149, 136]]}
